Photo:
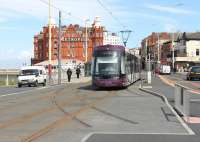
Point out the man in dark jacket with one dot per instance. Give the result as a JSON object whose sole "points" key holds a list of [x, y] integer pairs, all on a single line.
{"points": [[78, 71], [69, 74]]}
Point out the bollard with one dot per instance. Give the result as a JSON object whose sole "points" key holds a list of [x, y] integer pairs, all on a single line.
{"points": [[182, 100], [149, 77]]}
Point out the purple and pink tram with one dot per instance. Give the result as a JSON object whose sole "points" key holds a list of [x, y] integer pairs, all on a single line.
{"points": [[114, 66]]}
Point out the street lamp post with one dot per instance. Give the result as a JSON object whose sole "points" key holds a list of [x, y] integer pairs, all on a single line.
{"points": [[86, 41], [59, 49], [173, 52], [49, 67], [158, 48], [148, 63], [174, 47], [125, 36]]}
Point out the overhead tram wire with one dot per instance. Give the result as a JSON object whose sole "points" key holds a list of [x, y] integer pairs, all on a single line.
{"points": [[125, 33], [111, 13], [57, 8]]}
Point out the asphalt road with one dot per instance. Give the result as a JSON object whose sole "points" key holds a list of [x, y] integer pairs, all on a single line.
{"points": [[72, 111], [14, 89], [194, 86], [181, 78]]}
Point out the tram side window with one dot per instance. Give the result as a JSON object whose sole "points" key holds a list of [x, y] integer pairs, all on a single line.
{"points": [[132, 64], [135, 64], [92, 66], [128, 64], [123, 65]]}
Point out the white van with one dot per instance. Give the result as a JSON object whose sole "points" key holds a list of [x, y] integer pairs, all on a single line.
{"points": [[32, 75], [165, 69]]}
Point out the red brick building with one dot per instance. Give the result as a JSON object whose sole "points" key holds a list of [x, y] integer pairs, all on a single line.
{"points": [[166, 52], [152, 43], [72, 42], [149, 45]]}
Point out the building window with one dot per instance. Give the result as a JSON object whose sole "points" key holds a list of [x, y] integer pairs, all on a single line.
{"points": [[197, 52], [184, 50]]}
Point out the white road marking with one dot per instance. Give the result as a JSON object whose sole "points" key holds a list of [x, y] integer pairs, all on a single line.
{"points": [[118, 133], [147, 87], [22, 92]]}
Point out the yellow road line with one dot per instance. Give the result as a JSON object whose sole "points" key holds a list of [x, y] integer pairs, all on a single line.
{"points": [[167, 81]]}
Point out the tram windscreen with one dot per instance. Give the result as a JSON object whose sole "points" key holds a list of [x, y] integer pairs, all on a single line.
{"points": [[107, 63]]}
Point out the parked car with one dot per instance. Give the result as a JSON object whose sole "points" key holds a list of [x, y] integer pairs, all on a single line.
{"points": [[32, 75], [193, 73]]}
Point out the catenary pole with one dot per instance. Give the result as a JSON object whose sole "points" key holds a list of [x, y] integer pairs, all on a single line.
{"points": [[59, 49], [86, 41], [173, 51], [49, 67], [158, 48]]}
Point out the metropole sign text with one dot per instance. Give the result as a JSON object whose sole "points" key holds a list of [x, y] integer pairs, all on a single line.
{"points": [[72, 39]]}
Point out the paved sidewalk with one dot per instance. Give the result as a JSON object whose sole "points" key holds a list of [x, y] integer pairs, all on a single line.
{"points": [[74, 79], [160, 87], [82, 79], [167, 90]]}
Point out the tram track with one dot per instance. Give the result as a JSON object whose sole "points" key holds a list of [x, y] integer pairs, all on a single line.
{"points": [[69, 106], [69, 116], [15, 104], [28, 117]]}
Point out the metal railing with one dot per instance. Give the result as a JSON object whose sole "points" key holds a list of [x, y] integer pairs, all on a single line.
{"points": [[8, 77]]}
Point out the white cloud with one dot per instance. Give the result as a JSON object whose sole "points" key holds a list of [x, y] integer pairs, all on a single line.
{"points": [[24, 54], [38, 9], [169, 27], [145, 15], [7, 28], [14, 54], [79, 10], [22, 7], [169, 9]]}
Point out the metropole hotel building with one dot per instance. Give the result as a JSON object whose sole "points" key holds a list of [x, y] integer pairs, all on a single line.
{"points": [[73, 41]]}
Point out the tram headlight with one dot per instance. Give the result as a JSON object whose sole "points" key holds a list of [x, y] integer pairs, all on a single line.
{"points": [[96, 77], [116, 77]]}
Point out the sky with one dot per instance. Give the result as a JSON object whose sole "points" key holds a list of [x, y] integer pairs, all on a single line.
{"points": [[20, 20]]}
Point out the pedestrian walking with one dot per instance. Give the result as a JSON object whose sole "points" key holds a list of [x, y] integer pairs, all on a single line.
{"points": [[78, 71], [69, 74]]}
